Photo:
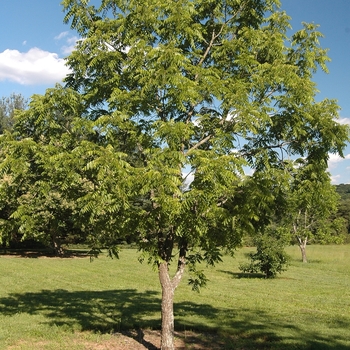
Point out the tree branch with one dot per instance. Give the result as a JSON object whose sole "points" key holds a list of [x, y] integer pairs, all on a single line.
{"points": [[181, 264], [199, 144]]}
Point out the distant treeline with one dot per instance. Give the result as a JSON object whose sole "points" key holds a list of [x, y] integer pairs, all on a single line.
{"points": [[344, 204]]}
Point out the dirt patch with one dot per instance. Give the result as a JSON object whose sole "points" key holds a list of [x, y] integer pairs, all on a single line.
{"points": [[150, 340]]}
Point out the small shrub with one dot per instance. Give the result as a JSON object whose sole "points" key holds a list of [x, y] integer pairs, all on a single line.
{"points": [[269, 259]]}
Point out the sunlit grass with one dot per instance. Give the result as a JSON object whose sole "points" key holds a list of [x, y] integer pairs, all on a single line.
{"points": [[66, 303]]}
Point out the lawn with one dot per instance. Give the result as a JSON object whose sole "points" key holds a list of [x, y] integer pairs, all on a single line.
{"points": [[72, 303]]}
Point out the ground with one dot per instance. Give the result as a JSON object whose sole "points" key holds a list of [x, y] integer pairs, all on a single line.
{"points": [[150, 339], [135, 340]]}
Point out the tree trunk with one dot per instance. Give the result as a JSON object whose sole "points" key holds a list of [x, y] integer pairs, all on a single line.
{"points": [[167, 339], [56, 245], [168, 289], [302, 246]]}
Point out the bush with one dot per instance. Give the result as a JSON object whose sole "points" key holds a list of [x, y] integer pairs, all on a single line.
{"points": [[270, 257]]}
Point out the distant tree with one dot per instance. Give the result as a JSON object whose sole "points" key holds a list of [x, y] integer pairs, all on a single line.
{"points": [[332, 231], [8, 107], [344, 205], [40, 175], [344, 212], [343, 190], [312, 203]]}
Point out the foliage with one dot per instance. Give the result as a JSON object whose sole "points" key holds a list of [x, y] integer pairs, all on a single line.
{"points": [[331, 231], [214, 89], [344, 205], [186, 84], [343, 190], [8, 191], [270, 257], [8, 107], [41, 174], [311, 205]]}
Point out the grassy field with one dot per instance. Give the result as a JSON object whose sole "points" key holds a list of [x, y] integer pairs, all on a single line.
{"points": [[72, 303]]}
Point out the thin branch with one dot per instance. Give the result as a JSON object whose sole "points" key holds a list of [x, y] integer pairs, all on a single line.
{"points": [[199, 144], [185, 178], [215, 36], [280, 145]]}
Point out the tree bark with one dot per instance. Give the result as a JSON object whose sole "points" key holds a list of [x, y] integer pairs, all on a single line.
{"points": [[302, 246], [57, 247], [168, 289], [167, 338]]}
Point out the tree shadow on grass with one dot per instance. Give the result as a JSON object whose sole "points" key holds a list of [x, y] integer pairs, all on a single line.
{"points": [[243, 274], [45, 253], [210, 328], [28, 253], [100, 311], [256, 329]]}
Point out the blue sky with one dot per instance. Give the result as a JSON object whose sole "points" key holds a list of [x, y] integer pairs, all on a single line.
{"points": [[34, 41]]}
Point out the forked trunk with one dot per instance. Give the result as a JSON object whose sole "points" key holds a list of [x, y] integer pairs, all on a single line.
{"points": [[302, 246], [303, 253], [168, 289]]}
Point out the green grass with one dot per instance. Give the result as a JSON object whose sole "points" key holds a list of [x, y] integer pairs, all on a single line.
{"points": [[66, 303]]}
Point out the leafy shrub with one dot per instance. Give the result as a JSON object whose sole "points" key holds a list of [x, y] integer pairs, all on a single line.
{"points": [[270, 257]]}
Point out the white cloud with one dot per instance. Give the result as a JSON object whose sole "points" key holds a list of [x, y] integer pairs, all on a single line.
{"points": [[335, 159], [335, 179], [231, 116], [70, 42], [344, 121], [33, 67], [61, 35], [67, 49]]}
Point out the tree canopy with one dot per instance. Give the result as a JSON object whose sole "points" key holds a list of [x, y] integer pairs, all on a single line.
{"points": [[188, 117], [41, 179], [8, 107], [311, 202]]}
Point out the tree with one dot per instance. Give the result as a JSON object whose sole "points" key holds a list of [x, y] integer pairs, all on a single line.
{"points": [[312, 203], [203, 88], [41, 174], [344, 206], [8, 107], [8, 192]]}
